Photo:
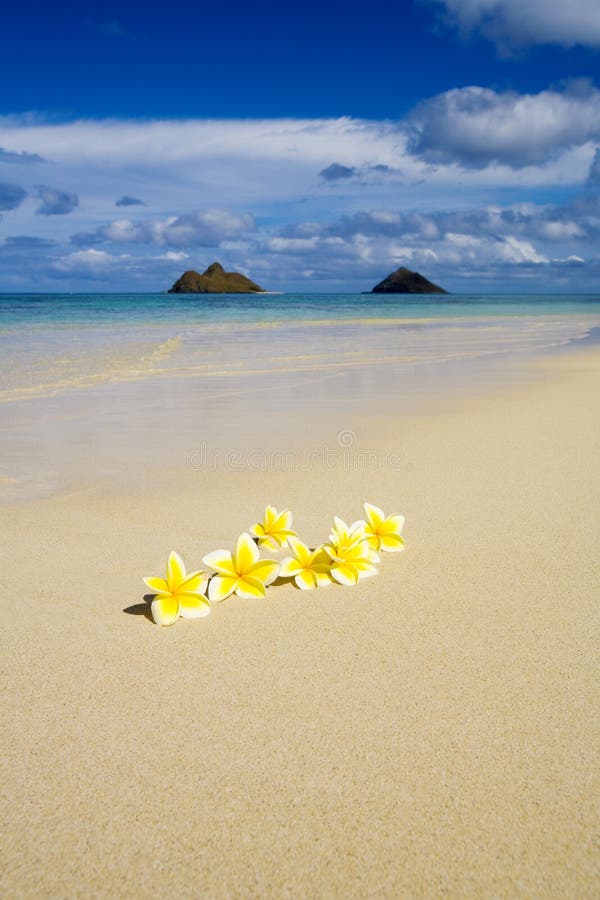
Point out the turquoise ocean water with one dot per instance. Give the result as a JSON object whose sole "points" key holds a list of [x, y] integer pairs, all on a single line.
{"points": [[91, 384], [39, 310]]}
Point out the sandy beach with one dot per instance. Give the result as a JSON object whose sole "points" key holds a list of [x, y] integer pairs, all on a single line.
{"points": [[433, 731]]}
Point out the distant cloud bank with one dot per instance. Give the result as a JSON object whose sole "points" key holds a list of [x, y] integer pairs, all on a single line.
{"points": [[474, 186]]}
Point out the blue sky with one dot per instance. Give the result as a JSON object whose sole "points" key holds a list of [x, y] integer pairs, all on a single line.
{"points": [[315, 146]]}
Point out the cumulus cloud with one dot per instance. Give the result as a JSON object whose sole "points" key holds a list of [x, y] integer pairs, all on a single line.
{"points": [[511, 243], [369, 257], [86, 261], [208, 228], [125, 200], [476, 126], [16, 157], [55, 202], [414, 195], [577, 221], [11, 195], [499, 138], [514, 22], [100, 265]]}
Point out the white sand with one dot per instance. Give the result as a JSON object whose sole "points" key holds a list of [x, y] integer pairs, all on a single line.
{"points": [[433, 731]]}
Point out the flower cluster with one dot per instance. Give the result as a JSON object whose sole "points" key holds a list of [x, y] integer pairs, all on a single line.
{"points": [[350, 554]]}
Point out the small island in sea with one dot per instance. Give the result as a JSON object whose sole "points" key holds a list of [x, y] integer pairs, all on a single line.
{"points": [[215, 280], [403, 281]]}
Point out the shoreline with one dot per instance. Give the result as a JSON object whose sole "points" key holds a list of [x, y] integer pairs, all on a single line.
{"points": [[433, 730], [107, 410]]}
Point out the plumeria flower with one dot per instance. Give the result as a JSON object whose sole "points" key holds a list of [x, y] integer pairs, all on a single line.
{"points": [[242, 572], [346, 534], [308, 568], [383, 532], [351, 556], [179, 594], [274, 530]]}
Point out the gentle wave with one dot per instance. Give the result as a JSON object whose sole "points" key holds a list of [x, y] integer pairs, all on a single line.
{"points": [[278, 366]]}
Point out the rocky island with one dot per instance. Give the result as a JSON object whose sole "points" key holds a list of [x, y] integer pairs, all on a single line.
{"points": [[403, 281], [215, 280]]}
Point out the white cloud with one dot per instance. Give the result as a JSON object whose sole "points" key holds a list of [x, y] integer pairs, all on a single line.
{"points": [[447, 190], [474, 137], [531, 22], [92, 263], [84, 261], [313, 141], [174, 256], [476, 126], [207, 228]]}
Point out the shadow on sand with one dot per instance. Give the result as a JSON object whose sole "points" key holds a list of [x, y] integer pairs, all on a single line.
{"points": [[141, 609]]}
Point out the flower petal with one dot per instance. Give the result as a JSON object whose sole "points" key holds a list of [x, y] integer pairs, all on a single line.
{"points": [[221, 561], [319, 557], [364, 569], [300, 550], [249, 588], [265, 570], [358, 528], [258, 530], [165, 609], [221, 586], [340, 529], [195, 583], [305, 580], [373, 540], [175, 571], [157, 585], [391, 543], [289, 567], [392, 525], [323, 578], [344, 574], [270, 516], [193, 606], [331, 552], [270, 542], [283, 520], [374, 515], [246, 553]]}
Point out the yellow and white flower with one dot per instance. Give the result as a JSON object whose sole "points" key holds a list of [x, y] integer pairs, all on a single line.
{"points": [[383, 532], [274, 530], [242, 572], [351, 556], [179, 594], [308, 568]]}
